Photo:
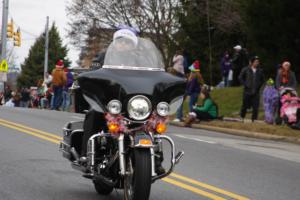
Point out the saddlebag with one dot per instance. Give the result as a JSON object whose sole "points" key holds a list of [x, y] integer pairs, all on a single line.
{"points": [[72, 139]]}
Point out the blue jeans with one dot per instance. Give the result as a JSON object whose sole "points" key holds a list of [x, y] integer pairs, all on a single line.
{"points": [[57, 97], [44, 102], [179, 113], [193, 100], [23, 104], [66, 101]]}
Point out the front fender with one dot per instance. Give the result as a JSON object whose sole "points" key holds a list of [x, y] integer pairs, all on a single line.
{"points": [[142, 140]]}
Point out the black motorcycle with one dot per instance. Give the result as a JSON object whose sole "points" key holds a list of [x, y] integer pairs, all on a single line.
{"points": [[134, 95]]}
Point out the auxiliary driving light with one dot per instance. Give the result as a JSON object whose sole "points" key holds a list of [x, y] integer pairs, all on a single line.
{"points": [[163, 109], [114, 107]]}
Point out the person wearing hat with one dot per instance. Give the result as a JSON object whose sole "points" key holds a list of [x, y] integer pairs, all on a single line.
{"points": [[285, 76], [270, 100], [194, 84], [193, 89], [239, 61], [252, 78], [58, 82]]}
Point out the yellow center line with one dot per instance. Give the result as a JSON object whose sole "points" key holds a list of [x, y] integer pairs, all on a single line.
{"points": [[32, 129], [209, 187], [192, 189], [30, 133], [56, 139]]}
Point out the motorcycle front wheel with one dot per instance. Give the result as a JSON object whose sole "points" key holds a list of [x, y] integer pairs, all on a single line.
{"points": [[137, 181], [102, 189]]}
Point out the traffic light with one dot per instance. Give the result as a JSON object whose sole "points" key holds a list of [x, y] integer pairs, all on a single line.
{"points": [[10, 29], [17, 38]]}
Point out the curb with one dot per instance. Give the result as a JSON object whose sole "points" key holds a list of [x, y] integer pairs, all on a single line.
{"points": [[243, 133]]}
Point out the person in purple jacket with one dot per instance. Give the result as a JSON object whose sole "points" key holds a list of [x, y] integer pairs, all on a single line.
{"points": [[225, 68], [66, 94], [193, 89], [194, 84]]}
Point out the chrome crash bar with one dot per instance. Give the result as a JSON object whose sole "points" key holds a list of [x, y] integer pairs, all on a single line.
{"points": [[174, 158]]}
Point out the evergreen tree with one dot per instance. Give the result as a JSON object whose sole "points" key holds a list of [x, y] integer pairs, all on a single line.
{"points": [[33, 66]]}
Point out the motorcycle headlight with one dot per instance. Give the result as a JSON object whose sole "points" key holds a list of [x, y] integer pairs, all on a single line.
{"points": [[114, 107], [139, 107], [163, 109]]}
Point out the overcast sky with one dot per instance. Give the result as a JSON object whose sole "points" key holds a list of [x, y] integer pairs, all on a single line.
{"points": [[30, 15]]}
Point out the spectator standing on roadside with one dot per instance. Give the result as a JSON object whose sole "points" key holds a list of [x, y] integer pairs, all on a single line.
{"points": [[286, 77], [193, 89], [66, 94], [48, 79], [58, 82], [194, 84], [186, 63], [25, 98], [252, 77], [239, 61], [1, 98], [225, 68], [7, 93], [16, 97], [178, 61]]}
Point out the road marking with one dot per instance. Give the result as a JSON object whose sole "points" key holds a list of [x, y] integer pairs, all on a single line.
{"points": [[30, 133], [196, 139], [31, 129], [76, 117], [56, 139], [209, 187], [192, 189]]}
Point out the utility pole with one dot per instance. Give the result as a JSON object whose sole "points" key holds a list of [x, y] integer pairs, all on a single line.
{"points": [[3, 42], [4, 29], [46, 47], [209, 42]]}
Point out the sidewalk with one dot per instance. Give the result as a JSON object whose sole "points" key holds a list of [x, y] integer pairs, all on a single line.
{"points": [[254, 130]]}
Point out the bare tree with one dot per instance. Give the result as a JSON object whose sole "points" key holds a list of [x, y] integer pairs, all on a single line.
{"points": [[154, 18]]}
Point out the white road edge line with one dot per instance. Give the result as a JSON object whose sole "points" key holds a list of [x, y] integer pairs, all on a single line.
{"points": [[76, 117], [196, 139]]}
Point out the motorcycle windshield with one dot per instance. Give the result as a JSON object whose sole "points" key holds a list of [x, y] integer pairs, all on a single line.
{"points": [[138, 55]]}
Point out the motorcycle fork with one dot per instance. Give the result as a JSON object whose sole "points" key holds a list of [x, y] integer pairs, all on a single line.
{"points": [[122, 155]]}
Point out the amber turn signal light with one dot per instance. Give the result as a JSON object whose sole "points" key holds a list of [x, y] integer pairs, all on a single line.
{"points": [[161, 128], [113, 128], [145, 142]]}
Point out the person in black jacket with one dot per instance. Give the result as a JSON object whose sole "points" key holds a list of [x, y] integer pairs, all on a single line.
{"points": [[252, 77]]}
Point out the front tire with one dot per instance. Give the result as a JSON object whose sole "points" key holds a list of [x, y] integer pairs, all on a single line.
{"points": [[102, 189], [137, 183]]}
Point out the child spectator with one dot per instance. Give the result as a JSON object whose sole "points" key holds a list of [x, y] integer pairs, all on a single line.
{"points": [[270, 99], [208, 111]]}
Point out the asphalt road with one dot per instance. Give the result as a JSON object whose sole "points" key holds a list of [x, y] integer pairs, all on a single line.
{"points": [[215, 166]]}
